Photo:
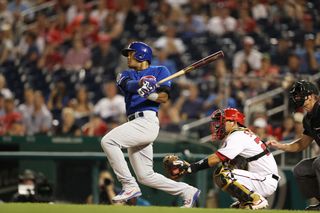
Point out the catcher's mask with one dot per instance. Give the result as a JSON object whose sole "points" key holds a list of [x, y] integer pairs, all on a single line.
{"points": [[300, 91], [219, 118]]}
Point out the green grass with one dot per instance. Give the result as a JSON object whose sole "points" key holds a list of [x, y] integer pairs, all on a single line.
{"points": [[62, 208]]}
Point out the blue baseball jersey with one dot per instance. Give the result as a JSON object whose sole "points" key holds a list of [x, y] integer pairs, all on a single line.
{"points": [[134, 102]]}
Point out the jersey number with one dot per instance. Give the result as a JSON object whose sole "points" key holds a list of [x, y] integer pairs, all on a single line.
{"points": [[257, 140]]}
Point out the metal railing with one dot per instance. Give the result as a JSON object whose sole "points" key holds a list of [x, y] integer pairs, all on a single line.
{"points": [[262, 99], [186, 128]]}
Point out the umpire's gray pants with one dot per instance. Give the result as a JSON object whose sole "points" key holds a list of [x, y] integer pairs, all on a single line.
{"points": [[307, 174]]}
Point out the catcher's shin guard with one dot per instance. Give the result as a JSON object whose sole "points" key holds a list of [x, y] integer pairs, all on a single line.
{"points": [[233, 187]]}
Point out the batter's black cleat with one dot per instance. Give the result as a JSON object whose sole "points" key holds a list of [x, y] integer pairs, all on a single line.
{"points": [[313, 207]]}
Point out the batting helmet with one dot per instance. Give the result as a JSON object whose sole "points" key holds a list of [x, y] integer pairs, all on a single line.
{"points": [[219, 117], [300, 91], [142, 51]]}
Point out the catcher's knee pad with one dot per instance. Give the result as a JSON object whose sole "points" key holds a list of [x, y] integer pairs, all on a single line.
{"points": [[224, 180]]}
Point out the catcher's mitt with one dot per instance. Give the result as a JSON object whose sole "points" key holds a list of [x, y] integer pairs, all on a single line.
{"points": [[238, 162], [175, 167]]}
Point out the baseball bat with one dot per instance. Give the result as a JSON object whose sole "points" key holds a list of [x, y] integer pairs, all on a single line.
{"points": [[195, 65]]}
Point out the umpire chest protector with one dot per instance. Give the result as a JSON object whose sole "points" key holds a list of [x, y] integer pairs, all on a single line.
{"points": [[311, 123]]}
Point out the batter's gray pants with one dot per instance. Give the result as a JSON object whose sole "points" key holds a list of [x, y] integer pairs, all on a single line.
{"points": [[307, 174]]}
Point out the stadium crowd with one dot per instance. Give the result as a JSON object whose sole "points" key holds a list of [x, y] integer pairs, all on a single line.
{"points": [[58, 65]]}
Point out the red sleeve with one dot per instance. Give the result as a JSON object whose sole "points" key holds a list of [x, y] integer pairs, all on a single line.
{"points": [[221, 156]]}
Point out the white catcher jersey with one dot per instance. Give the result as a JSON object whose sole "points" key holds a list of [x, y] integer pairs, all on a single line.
{"points": [[246, 144]]}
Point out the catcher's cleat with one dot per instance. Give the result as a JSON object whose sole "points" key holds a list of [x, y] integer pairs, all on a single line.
{"points": [[126, 195], [235, 205], [190, 198], [313, 207], [259, 202]]}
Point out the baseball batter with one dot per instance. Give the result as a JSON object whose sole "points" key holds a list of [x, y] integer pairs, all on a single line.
{"points": [[260, 177], [142, 97]]}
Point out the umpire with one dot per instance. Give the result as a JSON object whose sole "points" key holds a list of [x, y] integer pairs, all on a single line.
{"points": [[307, 172]]}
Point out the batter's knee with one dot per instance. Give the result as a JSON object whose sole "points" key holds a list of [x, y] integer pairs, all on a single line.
{"points": [[146, 178], [106, 141]]}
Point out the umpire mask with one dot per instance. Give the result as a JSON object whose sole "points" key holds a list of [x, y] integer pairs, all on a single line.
{"points": [[218, 130], [300, 91]]}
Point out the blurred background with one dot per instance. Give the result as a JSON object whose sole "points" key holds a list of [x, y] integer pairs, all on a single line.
{"points": [[59, 61]]}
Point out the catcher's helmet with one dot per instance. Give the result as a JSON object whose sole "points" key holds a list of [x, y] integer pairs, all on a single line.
{"points": [[142, 51], [219, 117], [300, 91]]}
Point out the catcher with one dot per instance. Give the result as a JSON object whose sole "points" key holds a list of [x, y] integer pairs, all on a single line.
{"points": [[248, 171]]}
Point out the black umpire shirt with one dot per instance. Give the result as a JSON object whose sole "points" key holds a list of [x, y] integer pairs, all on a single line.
{"points": [[311, 123]]}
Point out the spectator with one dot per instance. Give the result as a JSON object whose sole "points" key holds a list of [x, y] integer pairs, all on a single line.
{"points": [[259, 10], [286, 131], [192, 26], [78, 57], [52, 58], [107, 189], [6, 16], [246, 24], [260, 127], [268, 72], [6, 44], [173, 44], [32, 54], [67, 126], [104, 56], [94, 127], [2, 112], [163, 60], [221, 22], [86, 26], [39, 121], [82, 106], [41, 28], [27, 107], [26, 187], [112, 106], [293, 67], [112, 26], [16, 7], [189, 104], [11, 120], [60, 30], [248, 54], [308, 55], [75, 9], [6, 92], [219, 100], [280, 54], [58, 98], [169, 117], [33, 187], [100, 12]]}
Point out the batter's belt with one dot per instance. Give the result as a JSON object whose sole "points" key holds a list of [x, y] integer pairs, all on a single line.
{"points": [[141, 114]]}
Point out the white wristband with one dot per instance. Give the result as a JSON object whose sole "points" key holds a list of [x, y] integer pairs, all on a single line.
{"points": [[153, 96]]}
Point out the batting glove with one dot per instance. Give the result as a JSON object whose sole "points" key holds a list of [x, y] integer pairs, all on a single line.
{"points": [[148, 87]]}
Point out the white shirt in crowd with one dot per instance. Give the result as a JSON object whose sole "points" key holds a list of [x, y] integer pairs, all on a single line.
{"points": [[253, 59], [107, 107]]}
